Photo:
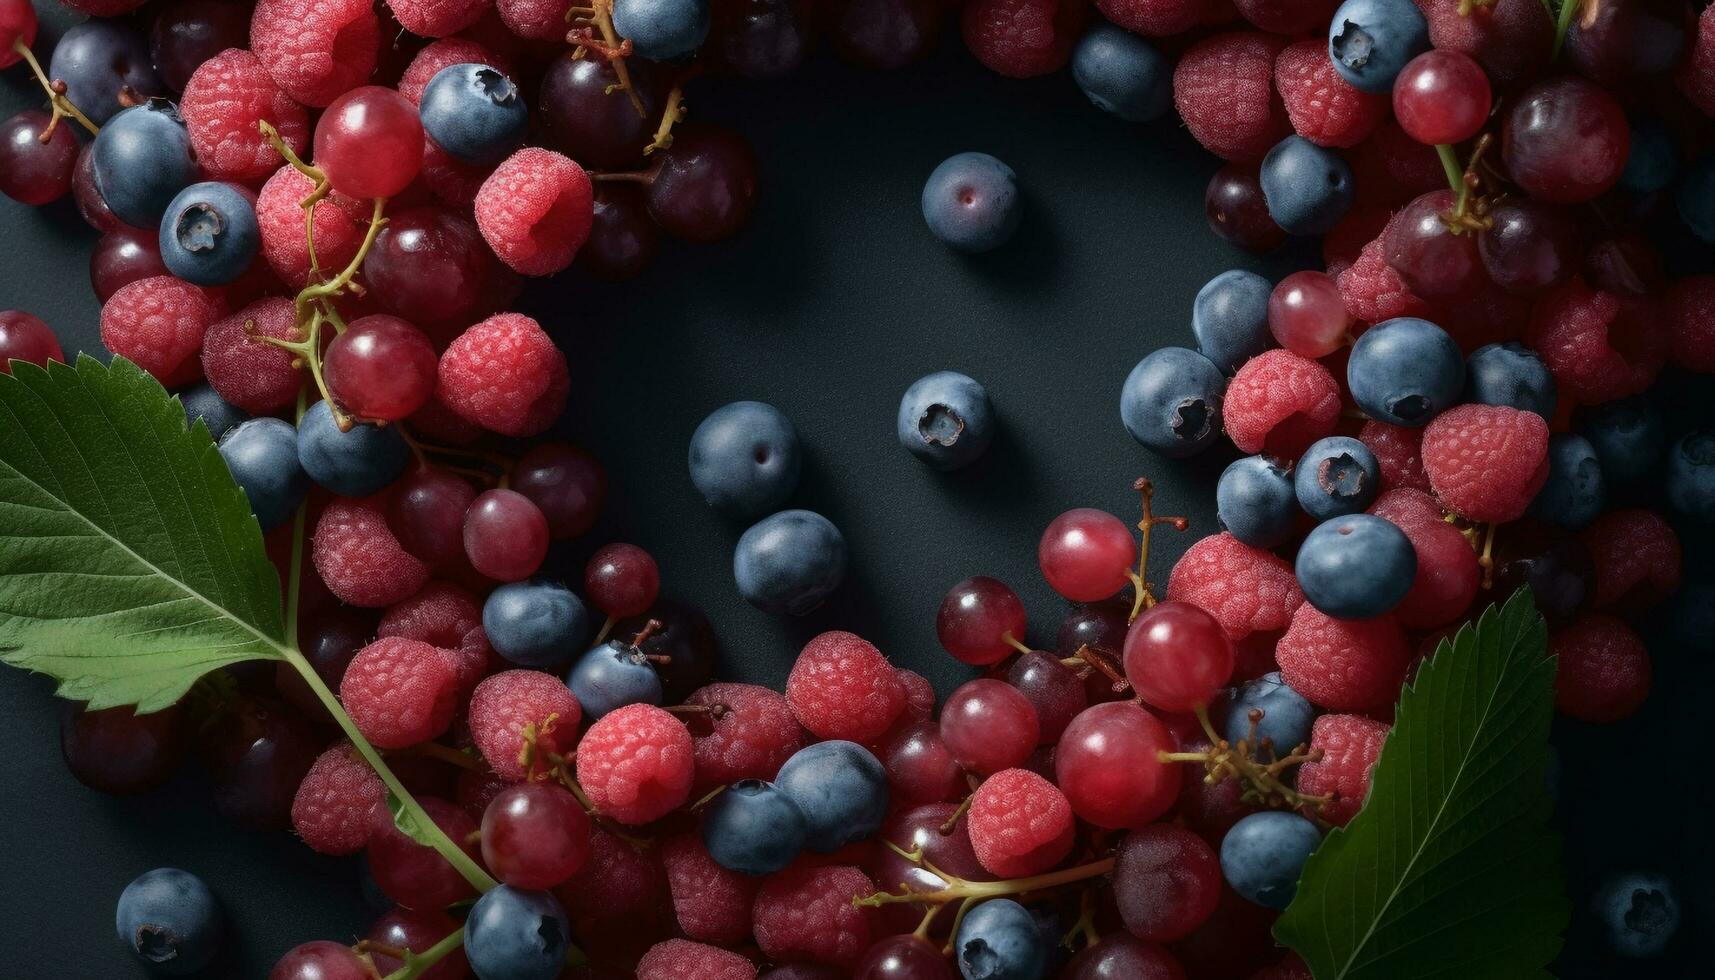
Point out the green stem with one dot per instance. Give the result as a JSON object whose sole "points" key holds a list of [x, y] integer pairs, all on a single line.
{"points": [[1455, 175], [1568, 8], [417, 964]]}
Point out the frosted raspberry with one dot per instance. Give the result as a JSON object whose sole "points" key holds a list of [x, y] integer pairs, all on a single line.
{"points": [[444, 53], [1022, 38], [1511, 39], [1399, 453], [506, 375], [842, 687], [316, 50], [506, 705], [1486, 462], [1247, 589], [919, 694], [636, 763], [1690, 317], [247, 371], [711, 902], [1696, 76], [681, 959], [751, 735], [1350, 746], [1447, 570], [449, 618], [359, 559], [281, 221], [159, 323], [1020, 824], [1279, 403], [332, 808], [1289, 17], [224, 100], [437, 18], [453, 181], [1224, 90], [535, 211], [1598, 346], [1637, 558], [1156, 18], [1602, 670], [618, 883], [537, 20], [1390, 168], [807, 914], [1323, 107], [1373, 291], [399, 692], [1343, 664]]}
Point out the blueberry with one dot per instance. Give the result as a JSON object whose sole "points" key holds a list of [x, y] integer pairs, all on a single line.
{"points": [[612, 676], [1510, 374], [98, 58], [1286, 715], [1691, 475], [971, 202], [744, 459], [945, 420], [1629, 436], [1264, 853], [1696, 198], [660, 30], [1639, 912], [209, 234], [141, 160], [1654, 158], [840, 788], [1123, 74], [1405, 371], [1574, 492], [999, 940], [1171, 402], [1307, 188], [201, 401], [1229, 317], [263, 457], [170, 920], [537, 623], [355, 463], [1356, 567], [1256, 503], [1370, 41], [754, 828], [1336, 476], [516, 934], [787, 563], [474, 112]]}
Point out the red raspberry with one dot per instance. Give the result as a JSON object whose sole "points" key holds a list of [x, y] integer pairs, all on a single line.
{"points": [[535, 211], [316, 50], [1511, 39], [359, 559], [1399, 453], [618, 884], [437, 18], [1691, 323], [1156, 18], [448, 618], [807, 914], [504, 705], [332, 808], [1637, 558], [1323, 107], [1279, 403], [711, 902], [159, 323], [1350, 746], [453, 181], [1603, 669], [444, 53], [1247, 589], [1289, 17], [1598, 346], [1373, 291], [1224, 90], [636, 763], [537, 20], [1020, 824], [399, 692], [224, 100], [751, 736], [1486, 462], [247, 371], [281, 220], [919, 694], [1447, 570], [506, 375], [842, 687], [1022, 38], [1390, 168], [1343, 664], [681, 959], [1696, 76]]}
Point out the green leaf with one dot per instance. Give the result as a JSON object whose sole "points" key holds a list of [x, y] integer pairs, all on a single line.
{"points": [[1450, 870], [412, 822], [130, 564]]}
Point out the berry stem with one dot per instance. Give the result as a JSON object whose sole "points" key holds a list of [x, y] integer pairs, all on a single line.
{"points": [[59, 105], [295, 567], [672, 113], [611, 47], [416, 964], [1015, 643], [274, 139], [960, 889], [1563, 23], [1455, 175], [1145, 599], [448, 755]]}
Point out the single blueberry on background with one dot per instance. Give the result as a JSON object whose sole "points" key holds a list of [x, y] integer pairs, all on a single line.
{"points": [[1264, 853], [474, 112], [1639, 912], [612, 676], [1370, 41], [1405, 371], [1629, 436], [788, 563], [1336, 476], [1229, 318], [946, 420], [201, 401], [971, 202], [1691, 475], [535, 623], [141, 159], [99, 58], [262, 455], [841, 789], [754, 828], [1574, 492], [1510, 374], [1356, 567], [170, 920], [1256, 502], [1171, 402], [1308, 188], [745, 459], [517, 935], [1286, 714], [1123, 73], [661, 30], [209, 234], [356, 463], [1000, 940]]}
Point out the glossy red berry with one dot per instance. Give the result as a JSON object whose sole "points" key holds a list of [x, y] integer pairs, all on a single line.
{"points": [[369, 142], [24, 337], [1441, 96], [1307, 315], [1565, 140], [1087, 554], [1107, 765], [381, 368], [977, 619], [565, 482], [505, 535], [534, 835], [1177, 656], [35, 171], [989, 726], [622, 580]]}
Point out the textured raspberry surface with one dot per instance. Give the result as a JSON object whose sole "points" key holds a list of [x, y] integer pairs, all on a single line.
{"points": [[1399, 454], [681, 959], [1323, 107], [537, 20], [332, 807], [437, 18], [1696, 75], [1373, 291], [636, 763], [1603, 669], [1343, 664], [1447, 570], [506, 375], [1279, 403], [1390, 168], [449, 618], [247, 371], [1690, 318], [1511, 39], [1022, 38], [842, 687], [316, 50], [1247, 589], [506, 705], [806, 913], [1638, 559], [225, 99], [1486, 462], [159, 323], [1289, 17], [281, 221], [399, 692], [752, 735], [919, 694], [359, 559], [1350, 745], [453, 181], [1224, 90], [1020, 824], [1156, 18], [444, 53], [1598, 346], [535, 211], [618, 883], [711, 903]]}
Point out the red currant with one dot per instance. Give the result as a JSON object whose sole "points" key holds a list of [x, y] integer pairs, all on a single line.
{"points": [[369, 142], [534, 835], [431, 267], [1107, 765], [1307, 314], [989, 726], [976, 619], [416, 930], [381, 368], [1441, 96], [322, 959], [1087, 554], [1237, 211], [1177, 656], [622, 580], [1052, 688], [505, 535], [123, 256]]}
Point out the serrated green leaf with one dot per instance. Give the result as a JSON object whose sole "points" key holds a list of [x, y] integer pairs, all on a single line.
{"points": [[1451, 868], [130, 564], [411, 822]]}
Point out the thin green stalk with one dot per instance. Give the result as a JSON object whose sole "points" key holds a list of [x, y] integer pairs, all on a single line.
{"points": [[1455, 174], [417, 964], [1568, 9]]}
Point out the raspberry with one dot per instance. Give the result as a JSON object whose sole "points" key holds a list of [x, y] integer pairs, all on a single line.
{"points": [[453, 181], [1603, 670], [399, 692], [751, 737], [1323, 107], [437, 18], [506, 375], [841, 687], [332, 807], [448, 618], [535, 211], [224, 100], [247, 371], [1343, 664], [1486, 462], [507, 705], [806, 913], [1598, 346], [1224, 90], [1350, 745], [1156, 18], [281, 221], [1022, 38], [1020, 824], [1696, 76], [159, 323], [618, 884], [1637, 558], [919, 694], [635, 763], [1511, 39], [1399, 453], [1690, 318], [538, 20], [444, 53], [1373, 291], [681, 959], [316, 50], [1447, 570], [1279, 403], [1289, 17], [711, 902], [1247, 589], [359, 559]]}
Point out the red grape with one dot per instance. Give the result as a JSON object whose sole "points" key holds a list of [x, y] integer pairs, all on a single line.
{"points": [[623, 240], [988, 726], [1087, 554], [123, 256], [369, 142], [534, 835], [1434, 262], [1053, 689], [190, 32], [1528, 246], [887, 34], [416, 930], [1307, 314], [1441, 96], [1177, 656], [17, 25], [975, 619], [381, 368], [118, 751], [762, 38], [328, 642], [706, 185], [1167, 882], [1565, 140], [427, 514], [505, 535], [905, 957], [24, 337], [1122, 956], [90, 206], [1106, 764], [920, 767], [431, 267], [257, 750], [947, 848], [33, 172], [622, 580], [565, 482], [1237, 210], [587, 120], [415, 875], [322, 959]]}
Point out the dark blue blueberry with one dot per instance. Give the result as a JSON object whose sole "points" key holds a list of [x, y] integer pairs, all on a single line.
{"points": [[840, 788], [754, 828], [474, 112], [1122, 73], [662, 29], [971, 202], [1691, 475], [538, 623], [787, 563], [1336, 476], [1629, 435], [517, 935], [201, 401], [1286, 715], [945, 420], [1639, 912], [1697, 198], [1171, 402], [1256, 502], [1510, 374], [1356, 567], [97, 59], [263, 457], [1654, 158], [745, 459], [1000, 940], [1264, 853], [1370, 41], [1308, 188], [141, 160], [1405, 371], [170, 920], [1229, 318], [209, 234], [612, 676], [1574, 492], [356, 463]]}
